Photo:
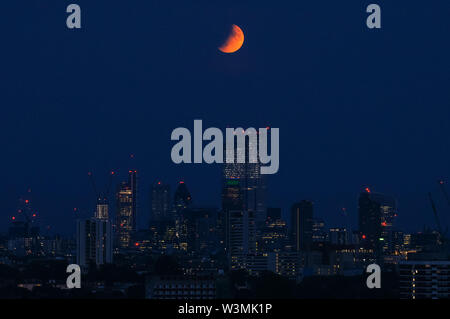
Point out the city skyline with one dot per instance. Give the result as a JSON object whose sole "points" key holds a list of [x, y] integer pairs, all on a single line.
{"points": [[212, 246], [124, 128], [340, 220]]}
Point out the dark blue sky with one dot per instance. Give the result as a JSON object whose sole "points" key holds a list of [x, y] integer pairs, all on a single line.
{"points": [[355, 107]]}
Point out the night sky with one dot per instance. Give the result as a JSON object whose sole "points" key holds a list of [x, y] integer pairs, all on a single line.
{"points": [[355, 107]]}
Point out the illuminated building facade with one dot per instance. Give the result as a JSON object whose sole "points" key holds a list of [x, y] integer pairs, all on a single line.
{"points": [[424, 279], [126, 212], [318, 231], [286, 264], [251, 182], [377, 213], [240, 237], [176, 287], [102, 211], [273, 236]]}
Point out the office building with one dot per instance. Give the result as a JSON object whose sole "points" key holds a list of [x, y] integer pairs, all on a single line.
{"points": [[94, 242], [160, 200], [302, 225], [126, 213], [377, 213]]}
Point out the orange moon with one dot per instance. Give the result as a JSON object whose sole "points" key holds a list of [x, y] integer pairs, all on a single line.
{"points": [[234, 41]]}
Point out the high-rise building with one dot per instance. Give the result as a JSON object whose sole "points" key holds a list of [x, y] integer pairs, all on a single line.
{"points": [[302, 225], [273, 236], [102, 211], [237, 225], [182, 198], [240, 237], [251, 182], [126, 214], [160, 195], [200, 230], [376, 217], [94, 242]]}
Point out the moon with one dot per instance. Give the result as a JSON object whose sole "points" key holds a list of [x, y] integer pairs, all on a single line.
{"points": [[234, 40]]}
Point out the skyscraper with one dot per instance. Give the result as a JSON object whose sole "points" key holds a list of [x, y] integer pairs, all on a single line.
{"points": [[182, 198], [126, 213], [251, 182], [376, 216], [302, 225], [94, 242], [240, 237], [160, 195], [200, 225]]}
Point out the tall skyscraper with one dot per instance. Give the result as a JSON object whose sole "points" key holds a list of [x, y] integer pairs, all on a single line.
{"points": [[240, 237], [251, 182], [200, 225], [376, 217], [182, 198], [95, 237], [126, 214], [302, 225], [94, 242], [160, 195]]}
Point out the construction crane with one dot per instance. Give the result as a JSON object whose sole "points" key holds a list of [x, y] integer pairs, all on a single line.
{"points": [[438, 222]]}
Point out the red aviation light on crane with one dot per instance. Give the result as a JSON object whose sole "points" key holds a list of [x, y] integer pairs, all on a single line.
{"points": [[13, 218], [367, 190], [26, 201], [363, 236]]}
